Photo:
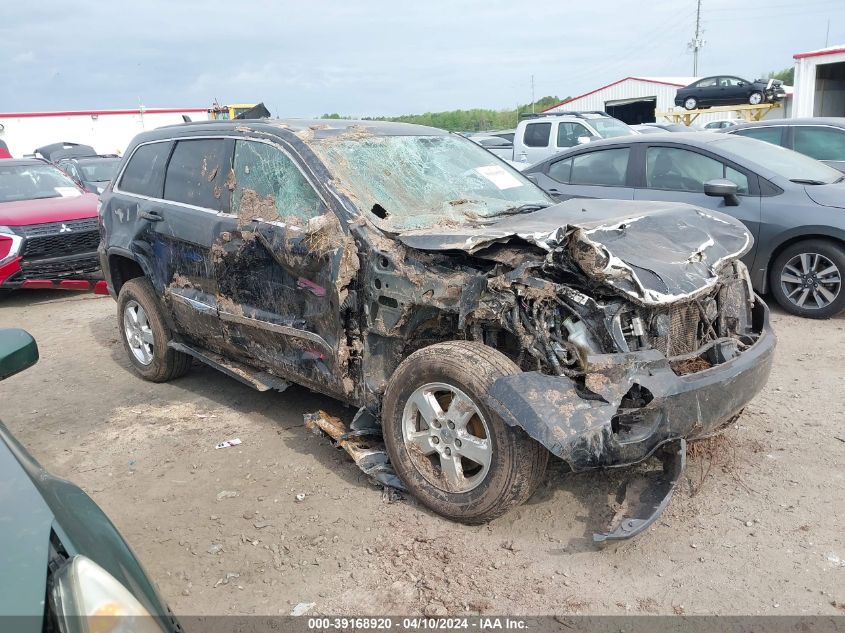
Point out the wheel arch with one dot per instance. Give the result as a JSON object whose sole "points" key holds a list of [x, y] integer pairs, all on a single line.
{"points": [[829, 234], [123, 266]]}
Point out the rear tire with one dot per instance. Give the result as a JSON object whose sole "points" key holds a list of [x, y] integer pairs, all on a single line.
{"points": [[499, 466], [755, 98], [145, 333], [806, 279], [690, 103]]}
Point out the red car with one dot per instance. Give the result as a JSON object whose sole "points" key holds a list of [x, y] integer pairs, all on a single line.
{"points": [[48, 229]]}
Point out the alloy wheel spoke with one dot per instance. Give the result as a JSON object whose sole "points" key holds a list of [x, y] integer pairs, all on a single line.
{"points": [[147, 335], [427, 405], [805, 263], [832, 269], [827, 294], [452, 470], [475, 450], [790, 279], [460, 411], [803, 297], [792, 269], [422, 441]]}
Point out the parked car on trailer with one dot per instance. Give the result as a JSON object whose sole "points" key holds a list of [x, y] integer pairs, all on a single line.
{"points": [[793, 205], [64, 566], [822, 138], [48, 228], [408, 272], [729, 90]]}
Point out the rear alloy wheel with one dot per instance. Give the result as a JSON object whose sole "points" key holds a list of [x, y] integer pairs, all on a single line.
{"points": [[454, 453], [806, 279], [755, 98], [145, 334], [691, 103]]}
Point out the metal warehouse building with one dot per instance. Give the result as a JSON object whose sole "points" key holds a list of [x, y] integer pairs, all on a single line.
{"points": [[820, 82], [635, 100]]}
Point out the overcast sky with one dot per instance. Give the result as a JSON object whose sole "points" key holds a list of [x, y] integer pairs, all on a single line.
{"points": [[305, 58]]}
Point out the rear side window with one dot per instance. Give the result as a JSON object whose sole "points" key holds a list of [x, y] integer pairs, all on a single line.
{"points": [[770, 134], [821, 143], [197, 174], [144, 175], [537, 134], [606, 167], [269, 186]]}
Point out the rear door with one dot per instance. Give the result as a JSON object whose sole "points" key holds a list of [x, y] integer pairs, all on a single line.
{"points": [[678, 174], [535, 143], [282, 271], [600, 173], [185, 225]]}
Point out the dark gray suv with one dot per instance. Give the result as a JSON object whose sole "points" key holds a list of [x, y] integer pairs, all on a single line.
{"points": [[411, 273]]}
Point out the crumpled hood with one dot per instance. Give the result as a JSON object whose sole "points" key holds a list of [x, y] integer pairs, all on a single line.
{"points": [[827, 195], [654, 253]]}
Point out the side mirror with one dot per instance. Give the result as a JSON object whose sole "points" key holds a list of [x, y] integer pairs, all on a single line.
{"points": [[18, 351], [722, 188], [532, 178], [584, 139]]}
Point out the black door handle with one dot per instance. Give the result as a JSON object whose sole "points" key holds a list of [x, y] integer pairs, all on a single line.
{"points": [[152, 216]]}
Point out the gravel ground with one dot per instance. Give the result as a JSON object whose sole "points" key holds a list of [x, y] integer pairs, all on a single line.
{"points": [[756, 528]]}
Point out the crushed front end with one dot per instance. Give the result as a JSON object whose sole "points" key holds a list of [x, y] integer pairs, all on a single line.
{"points": [[635, 335]]}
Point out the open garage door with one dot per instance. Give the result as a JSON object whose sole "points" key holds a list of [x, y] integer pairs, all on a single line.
{"points": [[830, 90], [632, 111]]}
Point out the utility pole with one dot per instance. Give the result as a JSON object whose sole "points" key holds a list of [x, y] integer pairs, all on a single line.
{"points": [[827, 34], [532, 94], [696, 43]]}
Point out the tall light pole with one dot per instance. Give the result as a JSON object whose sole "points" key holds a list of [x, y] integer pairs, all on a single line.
{"points": [[696, 43]]}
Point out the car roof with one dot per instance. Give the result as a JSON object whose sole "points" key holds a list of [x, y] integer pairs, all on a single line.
{"points": [[23, 161], [836, 121], [306, 129], [704, 139]]}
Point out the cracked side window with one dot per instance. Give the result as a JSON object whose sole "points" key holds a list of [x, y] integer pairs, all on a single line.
{"points": [[268, 183]]}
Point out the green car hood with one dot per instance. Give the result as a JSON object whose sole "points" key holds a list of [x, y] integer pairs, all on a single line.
{"points": [[24, 545], [42, 502]]}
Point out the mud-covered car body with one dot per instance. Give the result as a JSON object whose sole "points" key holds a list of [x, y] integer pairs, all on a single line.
{"points": [[634, 323]]}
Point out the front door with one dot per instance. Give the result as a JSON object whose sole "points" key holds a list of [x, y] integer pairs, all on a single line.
{"points": [[282, 270], [678, 175]]}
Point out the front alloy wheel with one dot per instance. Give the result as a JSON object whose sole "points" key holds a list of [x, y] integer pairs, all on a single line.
{"points": [[447, 437], [811, 281], [690, 103], [756, 98]]}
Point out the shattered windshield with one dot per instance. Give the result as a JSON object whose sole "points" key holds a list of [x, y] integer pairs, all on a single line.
{"points": [[419, 181]]}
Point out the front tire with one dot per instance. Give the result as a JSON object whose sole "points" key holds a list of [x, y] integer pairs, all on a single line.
{"points": [[806, 279], [452, 452], [145, 333], [690, 103], [755, 98]]}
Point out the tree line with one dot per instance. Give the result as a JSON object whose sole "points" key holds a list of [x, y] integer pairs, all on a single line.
{"points": [[474, 120]]}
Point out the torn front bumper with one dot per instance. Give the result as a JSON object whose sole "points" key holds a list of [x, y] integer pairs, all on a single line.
{"points": [[596, 425]]}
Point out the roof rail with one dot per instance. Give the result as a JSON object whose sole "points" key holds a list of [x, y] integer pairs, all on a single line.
{"points": [[576, 113]]}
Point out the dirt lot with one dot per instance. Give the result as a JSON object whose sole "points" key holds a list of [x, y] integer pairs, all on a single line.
{"points": [[756, 528]]}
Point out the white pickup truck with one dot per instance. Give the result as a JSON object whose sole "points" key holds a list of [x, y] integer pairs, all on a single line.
{"points": [[538, 137]]}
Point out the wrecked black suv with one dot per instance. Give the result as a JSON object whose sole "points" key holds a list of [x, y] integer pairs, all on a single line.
{"points": [[409, 272]]}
